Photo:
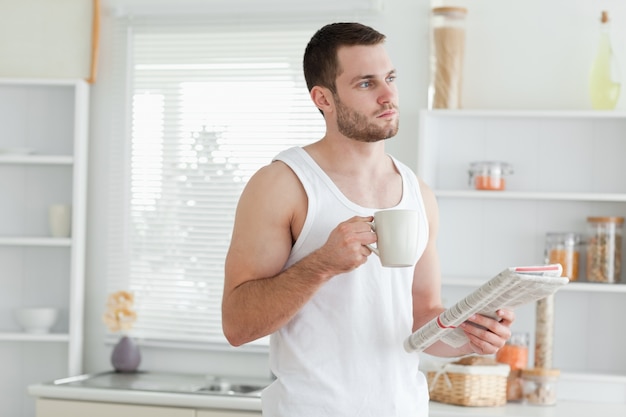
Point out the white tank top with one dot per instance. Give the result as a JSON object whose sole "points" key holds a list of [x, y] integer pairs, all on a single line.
{"points": [[342, 354]]}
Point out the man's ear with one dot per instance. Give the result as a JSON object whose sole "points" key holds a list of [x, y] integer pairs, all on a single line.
{"points": [[323, 99]]}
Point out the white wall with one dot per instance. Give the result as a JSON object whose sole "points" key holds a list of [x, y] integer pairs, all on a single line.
{"points": [[535, 54], [40, 38], [521, 54]]}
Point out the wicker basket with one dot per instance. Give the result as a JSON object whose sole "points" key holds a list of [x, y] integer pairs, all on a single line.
{"points": [[476, 386]]}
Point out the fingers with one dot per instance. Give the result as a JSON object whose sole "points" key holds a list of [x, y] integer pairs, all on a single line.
{"points": [[360, 229], [346, 247], [487, 335], [506, 317], [363, 223]]}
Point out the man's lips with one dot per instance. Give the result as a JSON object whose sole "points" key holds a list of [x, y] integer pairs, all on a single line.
{"points": [[387, 113]]}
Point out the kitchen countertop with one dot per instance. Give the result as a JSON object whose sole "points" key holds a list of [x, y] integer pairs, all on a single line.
{"points": [[561, 409], [141, 389], [149, 388]]}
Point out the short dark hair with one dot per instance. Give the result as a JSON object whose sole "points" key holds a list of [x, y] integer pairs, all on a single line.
{"points": [[320, 63]]}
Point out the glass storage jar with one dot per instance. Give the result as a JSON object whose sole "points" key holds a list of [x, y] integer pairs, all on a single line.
{"points": [[446, 57], [515, 354], [489, 175], [564, 249], [604, 249], [540, 385]]}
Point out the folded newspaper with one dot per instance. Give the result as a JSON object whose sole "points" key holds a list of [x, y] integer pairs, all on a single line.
{"points": [[511, 288]]}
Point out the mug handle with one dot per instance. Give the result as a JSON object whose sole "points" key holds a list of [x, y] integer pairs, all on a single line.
{"points": [[373, 248]]}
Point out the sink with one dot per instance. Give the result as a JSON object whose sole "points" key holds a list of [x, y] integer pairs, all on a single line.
{"points": [[226, 388], [168, 382]]}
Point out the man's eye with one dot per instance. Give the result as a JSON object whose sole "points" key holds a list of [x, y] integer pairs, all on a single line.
{"points": [[364, 84], [391, 78]]}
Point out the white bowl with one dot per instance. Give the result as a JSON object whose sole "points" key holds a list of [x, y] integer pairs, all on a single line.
{"points": [[36, 320]]}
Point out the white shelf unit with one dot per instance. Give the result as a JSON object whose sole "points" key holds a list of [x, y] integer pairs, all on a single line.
{"points": [[568, 165], [43, 161]]}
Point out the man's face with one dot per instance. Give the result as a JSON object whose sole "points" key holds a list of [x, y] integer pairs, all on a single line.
{"points": [[366, 101]]}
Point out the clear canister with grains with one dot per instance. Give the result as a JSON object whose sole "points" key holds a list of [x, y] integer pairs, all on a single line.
{"points": [[447, 50], [564, 248], [604, 249], [540, 385]]}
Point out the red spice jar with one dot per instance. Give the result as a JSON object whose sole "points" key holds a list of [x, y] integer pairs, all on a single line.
{"points": [[515, 351], [489, 175]]}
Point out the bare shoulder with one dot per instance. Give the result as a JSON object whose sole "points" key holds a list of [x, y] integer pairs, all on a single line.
{"points": [[277, 171], [275, 185]]}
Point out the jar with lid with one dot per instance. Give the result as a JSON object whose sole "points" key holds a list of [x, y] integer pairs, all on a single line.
{"points": [[604, 249], [540, 385], [446, 57], [564, 249], [489, 175], [515, 354]]}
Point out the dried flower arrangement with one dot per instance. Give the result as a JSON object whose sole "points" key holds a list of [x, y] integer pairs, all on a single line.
{"points": [[119, 314]]}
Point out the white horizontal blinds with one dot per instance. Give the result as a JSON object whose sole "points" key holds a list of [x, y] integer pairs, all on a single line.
{"points": [[211, 104]]}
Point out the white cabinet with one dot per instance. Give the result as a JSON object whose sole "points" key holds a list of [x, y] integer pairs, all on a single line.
{"points": [[567, 166], [67, 408], [64, 408], [43, 161]]}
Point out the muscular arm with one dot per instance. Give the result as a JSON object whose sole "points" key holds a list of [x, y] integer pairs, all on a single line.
{"points": [[259, 297], [486, 339]]}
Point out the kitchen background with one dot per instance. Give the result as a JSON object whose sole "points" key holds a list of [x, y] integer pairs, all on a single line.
{"points": [[520, 55]]}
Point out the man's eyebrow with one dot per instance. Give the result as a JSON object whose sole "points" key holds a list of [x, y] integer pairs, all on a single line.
{"points": [[361, 77], [370, 76]]}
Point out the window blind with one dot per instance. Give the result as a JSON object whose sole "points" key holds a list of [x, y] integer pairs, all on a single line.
{"points": [[203, 107]]}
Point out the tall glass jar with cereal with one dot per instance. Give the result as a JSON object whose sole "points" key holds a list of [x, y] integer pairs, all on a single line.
{"points": [[447, 52], [604, 249]]}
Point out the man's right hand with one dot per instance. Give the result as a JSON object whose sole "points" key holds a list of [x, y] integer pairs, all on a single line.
{"points": [[346, 248]]}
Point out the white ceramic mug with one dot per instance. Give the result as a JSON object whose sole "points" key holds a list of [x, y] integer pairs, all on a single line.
{"points": [[397, 234], [60, 220]]}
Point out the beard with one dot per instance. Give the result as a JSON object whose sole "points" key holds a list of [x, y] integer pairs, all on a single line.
{"points": [[355, 125]]}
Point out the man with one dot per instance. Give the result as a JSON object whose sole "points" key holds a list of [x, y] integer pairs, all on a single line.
{"points": [[298, 267]]}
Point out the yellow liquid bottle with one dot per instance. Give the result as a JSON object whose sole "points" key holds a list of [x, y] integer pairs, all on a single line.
{"points": [[604, 85]]}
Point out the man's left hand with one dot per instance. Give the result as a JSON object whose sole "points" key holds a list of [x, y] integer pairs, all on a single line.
{"points": [[488, 335]]}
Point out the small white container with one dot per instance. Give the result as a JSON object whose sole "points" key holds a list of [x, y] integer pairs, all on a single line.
{"points": [[60, 220], [36, 320]]}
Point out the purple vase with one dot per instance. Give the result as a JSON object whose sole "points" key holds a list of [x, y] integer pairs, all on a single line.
{"points": [[126, 356]]}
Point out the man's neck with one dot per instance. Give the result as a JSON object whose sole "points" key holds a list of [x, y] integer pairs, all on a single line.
{"points": [[362, 171]]}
